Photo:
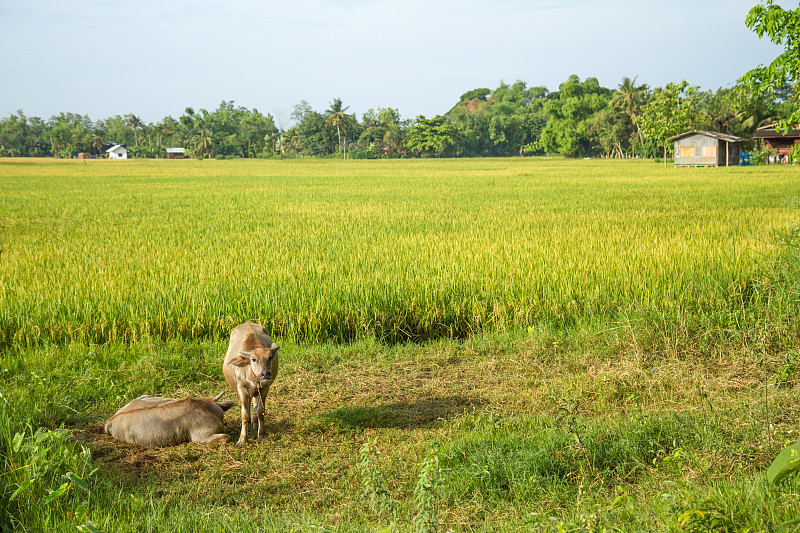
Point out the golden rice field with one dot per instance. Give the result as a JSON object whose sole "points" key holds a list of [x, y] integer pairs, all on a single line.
{"points": [[401, 250]]}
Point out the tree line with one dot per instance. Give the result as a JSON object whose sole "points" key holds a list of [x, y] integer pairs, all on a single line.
{"points": [[580, 119]]}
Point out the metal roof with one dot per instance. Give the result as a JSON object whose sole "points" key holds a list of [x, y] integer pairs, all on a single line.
{"points": [[769, 131], [115, 147], [721, 136], [175, 150]]}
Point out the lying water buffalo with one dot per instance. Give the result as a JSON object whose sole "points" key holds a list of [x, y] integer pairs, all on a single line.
{"points": [[153, 421], [250, 367]]}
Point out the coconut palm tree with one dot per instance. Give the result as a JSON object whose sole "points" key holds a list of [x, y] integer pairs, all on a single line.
{"points": [[630, 98], [96, 140], [335, 116], [203, 142], [135, 123]]}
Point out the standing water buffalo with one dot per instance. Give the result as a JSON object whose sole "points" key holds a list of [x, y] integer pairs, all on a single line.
{"points": [[153, 421], [250, 367]]}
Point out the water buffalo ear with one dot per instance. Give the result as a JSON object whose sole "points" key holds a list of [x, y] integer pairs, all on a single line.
{"points": [[239, 361], [227, 404], [275, 347]]}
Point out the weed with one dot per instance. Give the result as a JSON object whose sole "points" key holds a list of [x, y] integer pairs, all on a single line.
{"points": [[425, 518], [381, 502], [45, 476], [426, 497]]}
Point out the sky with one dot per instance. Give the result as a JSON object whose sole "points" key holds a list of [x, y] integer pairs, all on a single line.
{"points": [[155, 58]]}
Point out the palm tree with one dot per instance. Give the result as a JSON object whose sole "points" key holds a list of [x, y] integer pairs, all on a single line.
{"points": [[203, 141], [631, 98], [335, 116], [159, 132], [736, 111], [135, 123], [270, 138], [96, 140]]}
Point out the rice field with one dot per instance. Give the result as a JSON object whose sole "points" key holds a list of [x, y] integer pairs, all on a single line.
{"points": [[397, 250]]}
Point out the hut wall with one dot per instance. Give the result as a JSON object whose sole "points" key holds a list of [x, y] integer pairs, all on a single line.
{"points": [[697, 150], [782, 145]]}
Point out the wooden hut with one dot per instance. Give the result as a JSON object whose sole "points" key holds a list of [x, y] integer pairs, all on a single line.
{"points": [[175, 153], [699, 148], [782, 144]]}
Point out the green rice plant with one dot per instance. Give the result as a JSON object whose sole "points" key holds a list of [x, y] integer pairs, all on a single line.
{"points": [[396, 250]]}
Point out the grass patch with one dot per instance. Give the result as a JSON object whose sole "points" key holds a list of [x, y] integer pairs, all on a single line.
{"points": [[517, 445]]}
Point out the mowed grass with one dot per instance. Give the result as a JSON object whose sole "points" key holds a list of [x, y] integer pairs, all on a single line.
{"points": [[477, 345], [397, 250]]}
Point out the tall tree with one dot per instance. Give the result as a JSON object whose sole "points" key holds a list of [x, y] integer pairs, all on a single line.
{"points": [[736, 110], [434, 136], [300, 111], [117, 130], [671, 111], [135, 123], [187, 127], [612, 131], [203, 142], [14, 135], [470, 117], [630, 98], [382, 132], [312, 136], [568, 131], [70, 133], [335, 117], [163, 132], [782, 26]]}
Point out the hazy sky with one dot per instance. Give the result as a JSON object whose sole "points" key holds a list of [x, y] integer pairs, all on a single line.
{"points": [[156, 58]]}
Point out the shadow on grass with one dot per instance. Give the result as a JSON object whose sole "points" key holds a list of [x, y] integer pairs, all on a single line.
{"points": [[272, 426], [423, 413]]}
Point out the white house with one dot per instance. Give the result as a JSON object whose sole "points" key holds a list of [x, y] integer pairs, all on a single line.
{"points": [[117, 151]]}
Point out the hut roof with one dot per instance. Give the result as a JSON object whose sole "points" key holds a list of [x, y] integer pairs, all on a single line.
{"points": [[721, 136], [769, 132]]}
